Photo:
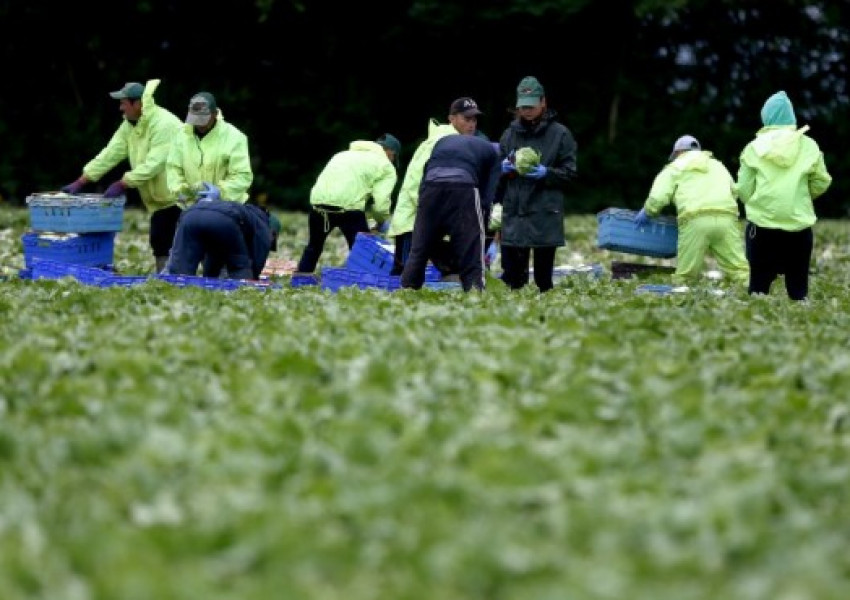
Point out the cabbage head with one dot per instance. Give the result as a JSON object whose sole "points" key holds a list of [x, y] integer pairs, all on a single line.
{"points": [[526, 159]]}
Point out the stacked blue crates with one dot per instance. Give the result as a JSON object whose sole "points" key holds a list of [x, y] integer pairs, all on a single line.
{"points": [[73, 229], [369, 265]]}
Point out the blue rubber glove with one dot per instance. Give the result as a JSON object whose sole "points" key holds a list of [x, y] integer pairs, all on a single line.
{"points": [[384, 227], [509, 166], [538, 172], [114, 190], [641, 219], [492, 252], [209, 191], [74, 187]]}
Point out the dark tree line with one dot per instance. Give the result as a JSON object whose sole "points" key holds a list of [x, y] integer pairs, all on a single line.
{"points": [[302, 79]]}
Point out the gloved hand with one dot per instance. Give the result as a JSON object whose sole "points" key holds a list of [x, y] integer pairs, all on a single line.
{"points": [[209, 191], [538, 172], [641, 219], [492, 252], [114, 190], [508, 165], [383, 227], [74, 187]]}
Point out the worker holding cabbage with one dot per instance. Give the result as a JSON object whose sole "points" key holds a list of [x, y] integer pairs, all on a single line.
{"points": [[540, 163]]}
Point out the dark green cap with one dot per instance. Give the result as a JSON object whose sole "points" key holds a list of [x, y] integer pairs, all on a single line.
{"points": [[529, 92], [130, 91]]}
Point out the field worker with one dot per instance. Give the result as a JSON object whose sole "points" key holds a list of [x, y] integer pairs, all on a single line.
{"points": [[209, 149], [463, 119], [221, 233], [533, 203], [703, 192], [351, 178], [781, 172], [143, 139], [458, 185]]}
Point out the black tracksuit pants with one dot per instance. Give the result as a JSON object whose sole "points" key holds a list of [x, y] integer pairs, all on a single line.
{"points": [[772, 252], [452, 209], [515, 266]]}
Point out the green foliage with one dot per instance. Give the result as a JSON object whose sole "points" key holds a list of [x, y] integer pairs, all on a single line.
{"points": [[159, 442]]}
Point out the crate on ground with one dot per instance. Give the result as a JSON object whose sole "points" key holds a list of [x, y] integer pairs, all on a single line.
{"points": [[627, 270], [214, 283], [122, 281], [303, 279], [617, 231], [334, 278], [93, 249], [51, 269], [75, 213], [372, 254]]}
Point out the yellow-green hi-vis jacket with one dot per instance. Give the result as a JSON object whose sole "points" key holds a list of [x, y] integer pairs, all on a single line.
{"points": [[145, 146], [353, 176], [221, 157], [782, 171], [697, 183]]}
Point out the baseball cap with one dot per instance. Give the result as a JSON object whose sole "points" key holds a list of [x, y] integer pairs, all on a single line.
{"points": [[390, 142], [465, 106], [201, 107], [529, 92], [686, 142], [131, 90]]}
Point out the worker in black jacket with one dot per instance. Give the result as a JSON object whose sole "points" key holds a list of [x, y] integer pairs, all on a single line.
{"points": [[458, 184]]}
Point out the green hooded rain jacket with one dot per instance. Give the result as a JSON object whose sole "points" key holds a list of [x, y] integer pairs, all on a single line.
{"points": [[145, 146], [353, 176]]}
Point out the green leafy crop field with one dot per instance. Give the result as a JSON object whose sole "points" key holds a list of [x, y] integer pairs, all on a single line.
{"points": [[591, 443]]}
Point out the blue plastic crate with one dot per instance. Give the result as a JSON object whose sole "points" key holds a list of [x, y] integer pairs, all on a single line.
{"points": [[80, 213], [122, 280], [93, 249], [372, 254], [334, 278], [303, 280], [215, 283], [617, 231], [443, 285], [51, 269]]}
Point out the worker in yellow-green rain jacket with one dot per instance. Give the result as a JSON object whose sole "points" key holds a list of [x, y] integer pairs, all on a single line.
{"points": [[143, 139], [209, 149], [351, 178], [782, 171], [703, 191]]}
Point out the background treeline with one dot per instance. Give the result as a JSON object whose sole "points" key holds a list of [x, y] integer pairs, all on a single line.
{"points": [[303, 78]]}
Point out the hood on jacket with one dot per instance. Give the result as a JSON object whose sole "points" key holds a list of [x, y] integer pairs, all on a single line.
{"points": [[367, 146], [148, 103], [692, 160], [779, 145], [436, 130], [778, 110]]}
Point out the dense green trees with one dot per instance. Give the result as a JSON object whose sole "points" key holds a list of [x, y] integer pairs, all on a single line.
{"points": [[302, 79]]}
